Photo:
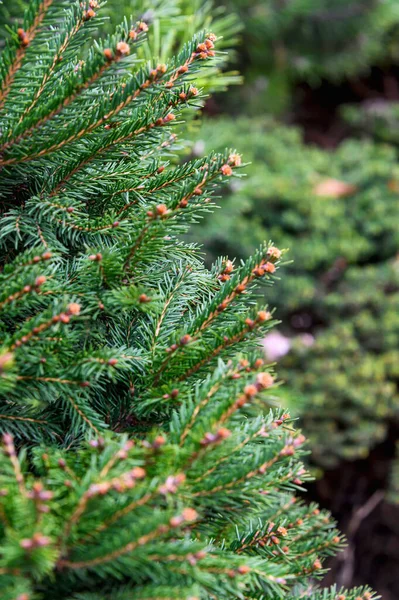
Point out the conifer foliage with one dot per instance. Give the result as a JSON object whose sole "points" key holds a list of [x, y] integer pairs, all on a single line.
{"points": [[140, 457]]}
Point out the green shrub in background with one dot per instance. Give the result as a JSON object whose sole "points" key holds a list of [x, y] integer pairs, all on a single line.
{"points": [[338, 213], [307, 40], [376, 118]]}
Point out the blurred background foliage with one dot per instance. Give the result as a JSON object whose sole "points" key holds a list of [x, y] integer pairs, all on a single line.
{"points": [[338, 213], [286, 42], [317, 75]]}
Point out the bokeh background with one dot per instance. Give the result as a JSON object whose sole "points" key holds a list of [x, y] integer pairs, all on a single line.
{"points": [[308, 92]]}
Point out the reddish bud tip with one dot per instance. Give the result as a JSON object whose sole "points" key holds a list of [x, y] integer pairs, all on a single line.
{"points": [[161, 209], [269, 267], [123, 48], [226, 170], [243, 569], [89, 14], [40, 280], [73, 308], [250, 390]]}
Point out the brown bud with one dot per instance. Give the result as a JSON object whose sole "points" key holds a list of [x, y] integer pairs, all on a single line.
{"points": [[231, 573], [226, 170], [161, 209], [73, 308], [243, 569], [269, 267], [123, 48], [259, 272], [223, 433], [143, 298], [235, 160], [240, 288], [108, 54], [138, 473], [274, 252], [264, 380], [169, 117], [228, 267], [159, 441], [275, 539], [263, 315], [189, 514], [89, 14], [250, 390], [40, 280]]}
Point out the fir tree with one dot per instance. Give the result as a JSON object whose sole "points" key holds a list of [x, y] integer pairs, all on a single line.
{"points": [[161, 472]]}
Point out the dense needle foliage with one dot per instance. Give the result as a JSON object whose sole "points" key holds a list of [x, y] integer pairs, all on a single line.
{"points": [[140, 456]]}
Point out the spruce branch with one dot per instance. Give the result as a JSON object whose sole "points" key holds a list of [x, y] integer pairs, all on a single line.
{"points": [[16, 50]]}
